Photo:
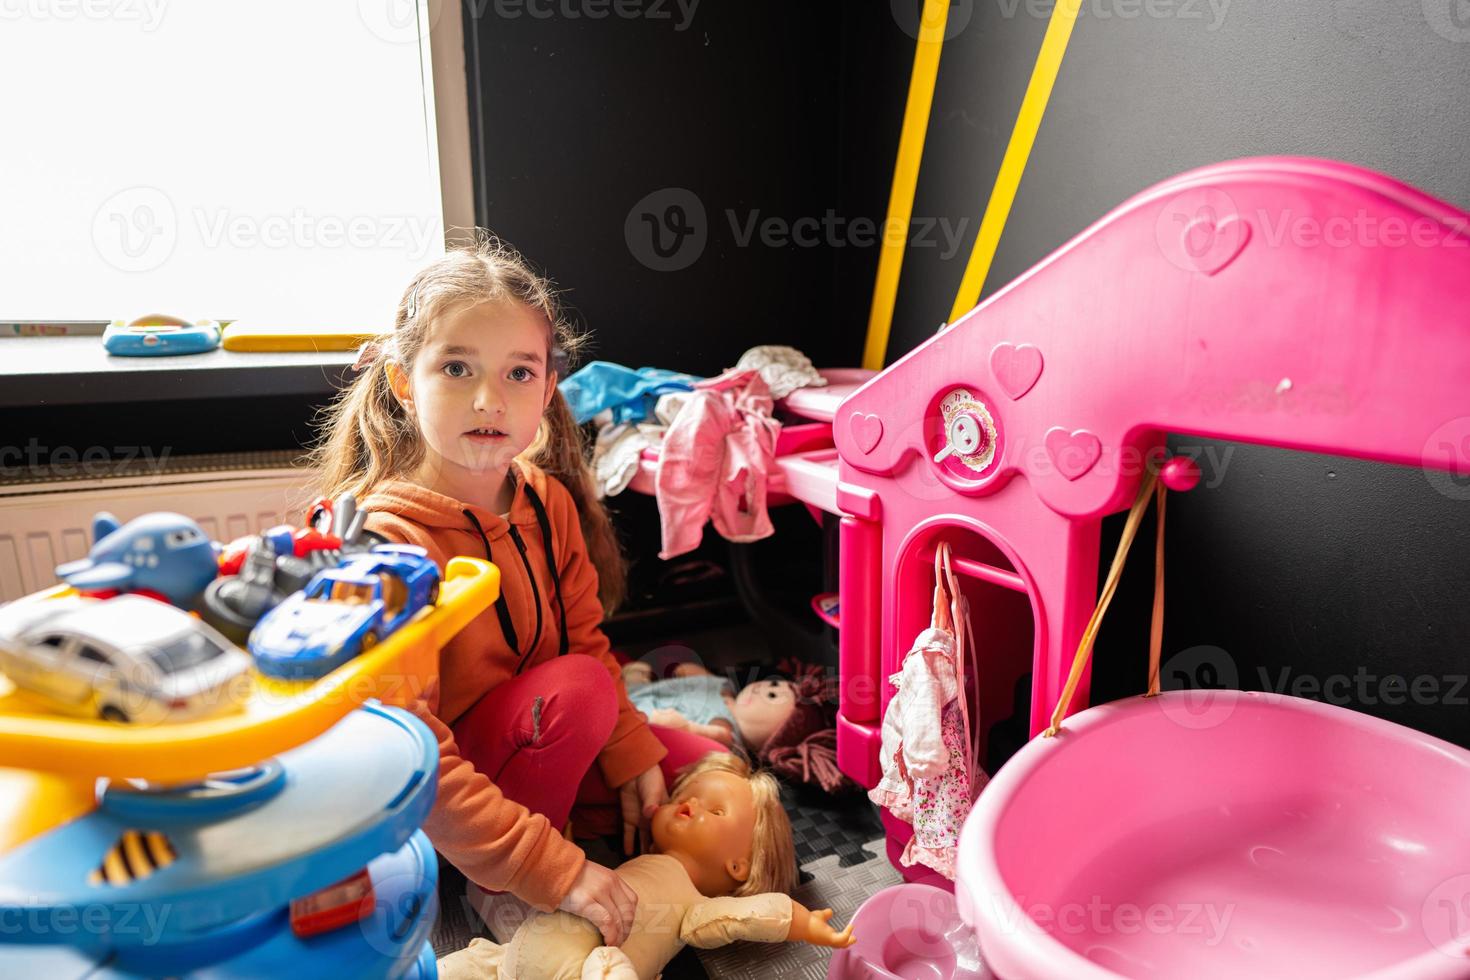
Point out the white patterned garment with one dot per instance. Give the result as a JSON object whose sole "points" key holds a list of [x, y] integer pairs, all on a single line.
{"points": [[783, 369], [912, 744]]}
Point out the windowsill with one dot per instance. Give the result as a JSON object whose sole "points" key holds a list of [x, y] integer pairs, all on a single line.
{"points": [[37, 371]]}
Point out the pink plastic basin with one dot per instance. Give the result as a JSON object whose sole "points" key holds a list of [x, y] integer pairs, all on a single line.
{"points": [[1223, 835]]}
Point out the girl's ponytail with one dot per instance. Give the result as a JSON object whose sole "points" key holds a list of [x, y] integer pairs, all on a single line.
{"points": [[366, 437]]}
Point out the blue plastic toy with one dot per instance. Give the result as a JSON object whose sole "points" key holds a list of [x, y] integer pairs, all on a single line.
{"points": [[159, 335], [161, 554], [344, 611], [201, 880]]}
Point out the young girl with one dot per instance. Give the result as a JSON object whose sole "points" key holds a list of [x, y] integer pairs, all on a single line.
{"points": [[435, 438]]}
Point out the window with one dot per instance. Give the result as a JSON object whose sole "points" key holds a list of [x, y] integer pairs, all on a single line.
{"points": [[94, 656], [185, 651], [352, 593], [276, 160]]}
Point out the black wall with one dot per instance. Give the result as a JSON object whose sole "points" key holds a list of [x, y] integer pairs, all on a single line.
{"points": [[589, 131], [1322, 568]]}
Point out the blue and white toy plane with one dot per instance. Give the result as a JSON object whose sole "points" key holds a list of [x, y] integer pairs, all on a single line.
{"points": [[163, 554]]}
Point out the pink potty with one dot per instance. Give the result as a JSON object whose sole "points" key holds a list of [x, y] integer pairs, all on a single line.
{"points": [[909, 932]]}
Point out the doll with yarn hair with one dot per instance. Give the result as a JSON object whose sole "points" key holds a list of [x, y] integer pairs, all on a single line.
{"points": [[722, 864]]}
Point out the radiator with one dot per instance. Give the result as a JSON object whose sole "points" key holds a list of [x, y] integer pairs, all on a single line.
{"points": [[46, 515]]}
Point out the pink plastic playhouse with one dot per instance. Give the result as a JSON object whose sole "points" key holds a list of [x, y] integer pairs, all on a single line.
{"points": [[1287, 302]]}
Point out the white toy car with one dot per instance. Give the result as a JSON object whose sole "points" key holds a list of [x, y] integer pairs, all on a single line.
{"points": [[128, 658]]}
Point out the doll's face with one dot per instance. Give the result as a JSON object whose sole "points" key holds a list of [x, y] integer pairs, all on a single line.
{"points": [[712, 821], [762, 708]]}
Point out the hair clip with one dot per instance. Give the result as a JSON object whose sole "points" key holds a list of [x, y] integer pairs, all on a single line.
{"points": [[413, 302], [367, 354]]}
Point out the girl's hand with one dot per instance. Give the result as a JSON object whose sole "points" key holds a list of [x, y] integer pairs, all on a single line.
{"points": [[815, 927], [668, 718], [603, 899], [638, 798]]}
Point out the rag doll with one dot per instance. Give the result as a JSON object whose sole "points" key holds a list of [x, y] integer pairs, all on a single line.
{"points": [[788, 725]]}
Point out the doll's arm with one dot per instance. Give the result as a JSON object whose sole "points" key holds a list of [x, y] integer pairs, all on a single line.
{"points": [[717, 922], [768, 918], [815, 927], [670, 718], [719, 730]]}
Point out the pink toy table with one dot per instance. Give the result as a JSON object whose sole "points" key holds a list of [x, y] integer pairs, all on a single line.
{"points": [[1297, 303]]}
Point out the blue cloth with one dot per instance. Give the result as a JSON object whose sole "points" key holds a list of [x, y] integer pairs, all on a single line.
{"points": [[630, 394], [699, 699]]}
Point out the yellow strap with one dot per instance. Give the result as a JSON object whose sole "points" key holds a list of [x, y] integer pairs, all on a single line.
{"points": [[1084, 648], [905, 179], [1156, 627], [1023, 137]]}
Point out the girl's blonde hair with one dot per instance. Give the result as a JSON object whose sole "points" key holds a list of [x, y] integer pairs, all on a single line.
{"points": [[772, 849], [365, 436]]}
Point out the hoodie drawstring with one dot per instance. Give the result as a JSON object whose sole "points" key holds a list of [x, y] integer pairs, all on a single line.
{"points": [[502, 607]]}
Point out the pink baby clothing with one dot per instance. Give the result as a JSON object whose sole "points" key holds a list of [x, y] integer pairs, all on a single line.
{"points": [[714, 463]]}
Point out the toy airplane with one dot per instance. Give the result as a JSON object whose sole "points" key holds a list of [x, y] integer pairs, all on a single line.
{"points": [[161, 554]]}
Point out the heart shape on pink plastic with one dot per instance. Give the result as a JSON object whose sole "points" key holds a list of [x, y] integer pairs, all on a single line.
{"points": [[1016, 368], [1210, 246], [866, 431], [1073, 453]]}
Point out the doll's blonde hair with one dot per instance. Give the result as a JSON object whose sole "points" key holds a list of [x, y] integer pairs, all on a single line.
{"points": [[772, 848], [365, 436]]}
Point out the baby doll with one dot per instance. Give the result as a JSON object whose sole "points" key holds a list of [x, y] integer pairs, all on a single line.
{"points": [[723, 859]]}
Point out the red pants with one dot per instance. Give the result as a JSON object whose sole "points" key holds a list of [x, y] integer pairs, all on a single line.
{"points": [[537, 737]]}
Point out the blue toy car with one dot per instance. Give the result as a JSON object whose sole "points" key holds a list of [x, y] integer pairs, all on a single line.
{"points": [[344, 611]]}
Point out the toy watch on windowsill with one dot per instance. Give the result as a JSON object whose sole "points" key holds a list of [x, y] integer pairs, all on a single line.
{"points": [[723, 860]]}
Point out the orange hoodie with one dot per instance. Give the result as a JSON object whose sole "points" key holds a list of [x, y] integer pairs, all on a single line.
{"points": [[496, 842]]}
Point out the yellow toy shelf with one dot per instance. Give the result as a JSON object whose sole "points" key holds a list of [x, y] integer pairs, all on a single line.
{"points": [[275, 715]]}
